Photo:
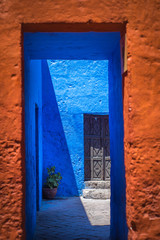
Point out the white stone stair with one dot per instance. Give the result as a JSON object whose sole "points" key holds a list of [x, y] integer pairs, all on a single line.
{"points": [[97, 190]]}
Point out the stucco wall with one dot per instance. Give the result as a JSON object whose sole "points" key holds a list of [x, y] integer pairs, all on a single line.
{"points": [[141, 98], [70, 89]]}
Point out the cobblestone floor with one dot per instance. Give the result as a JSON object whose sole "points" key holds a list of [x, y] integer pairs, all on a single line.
{"points": [[73, 218]]}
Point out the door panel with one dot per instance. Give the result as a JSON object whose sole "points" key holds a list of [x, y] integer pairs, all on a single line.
{"points": [[96, 147]]}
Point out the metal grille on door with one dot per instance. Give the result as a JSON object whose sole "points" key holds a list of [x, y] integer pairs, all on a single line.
{"points": [[96, 147]]}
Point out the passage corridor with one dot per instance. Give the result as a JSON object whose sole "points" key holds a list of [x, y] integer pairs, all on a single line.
{"points": [[73, 218]]}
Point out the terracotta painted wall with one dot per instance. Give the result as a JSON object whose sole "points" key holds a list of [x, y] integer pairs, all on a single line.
{"points": [[141, 108]]}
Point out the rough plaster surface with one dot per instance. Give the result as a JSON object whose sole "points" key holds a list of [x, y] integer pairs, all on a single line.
{"points": [[141, 108]]}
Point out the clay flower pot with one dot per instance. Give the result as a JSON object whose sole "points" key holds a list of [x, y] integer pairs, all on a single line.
{"points": [[49, 193]]}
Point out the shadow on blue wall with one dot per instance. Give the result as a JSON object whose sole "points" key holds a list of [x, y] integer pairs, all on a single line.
{"points": [[53, 133], [71, 45]]}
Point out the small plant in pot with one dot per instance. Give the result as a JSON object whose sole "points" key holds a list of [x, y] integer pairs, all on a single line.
{"points": [[52, 183]]}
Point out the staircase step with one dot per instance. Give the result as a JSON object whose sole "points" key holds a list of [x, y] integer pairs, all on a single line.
{"points": [[97, 184], [96, 193]]}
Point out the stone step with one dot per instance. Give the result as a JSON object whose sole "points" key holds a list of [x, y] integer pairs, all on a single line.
{"points": [[96, 193], [97, 184]]}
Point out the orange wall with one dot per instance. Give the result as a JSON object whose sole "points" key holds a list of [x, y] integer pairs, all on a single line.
{"points": [[141, 103]]}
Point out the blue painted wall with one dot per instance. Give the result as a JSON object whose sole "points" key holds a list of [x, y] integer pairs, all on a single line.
{"points": [[33, 95], [70, 89], [118, 186]]}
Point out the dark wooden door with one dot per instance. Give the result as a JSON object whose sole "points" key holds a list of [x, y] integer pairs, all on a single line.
{"points": [[96, 147]]}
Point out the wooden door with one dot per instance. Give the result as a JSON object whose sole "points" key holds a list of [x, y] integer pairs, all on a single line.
{"points": [[96, 147]]}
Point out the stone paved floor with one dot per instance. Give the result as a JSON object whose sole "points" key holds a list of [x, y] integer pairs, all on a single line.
{"points": [[73, 218]]}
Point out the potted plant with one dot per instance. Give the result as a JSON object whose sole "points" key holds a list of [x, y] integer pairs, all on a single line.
{"points": [[51, 185]]}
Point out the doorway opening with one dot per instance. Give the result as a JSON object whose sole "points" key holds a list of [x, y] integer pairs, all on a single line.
{"points": [[97, 161], [71, 75]]}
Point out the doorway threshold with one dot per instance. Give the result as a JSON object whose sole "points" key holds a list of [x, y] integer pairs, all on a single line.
{"points": [[97, 190]]}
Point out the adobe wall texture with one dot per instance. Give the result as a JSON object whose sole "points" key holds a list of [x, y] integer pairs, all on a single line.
{"points": [[141, 108]]}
